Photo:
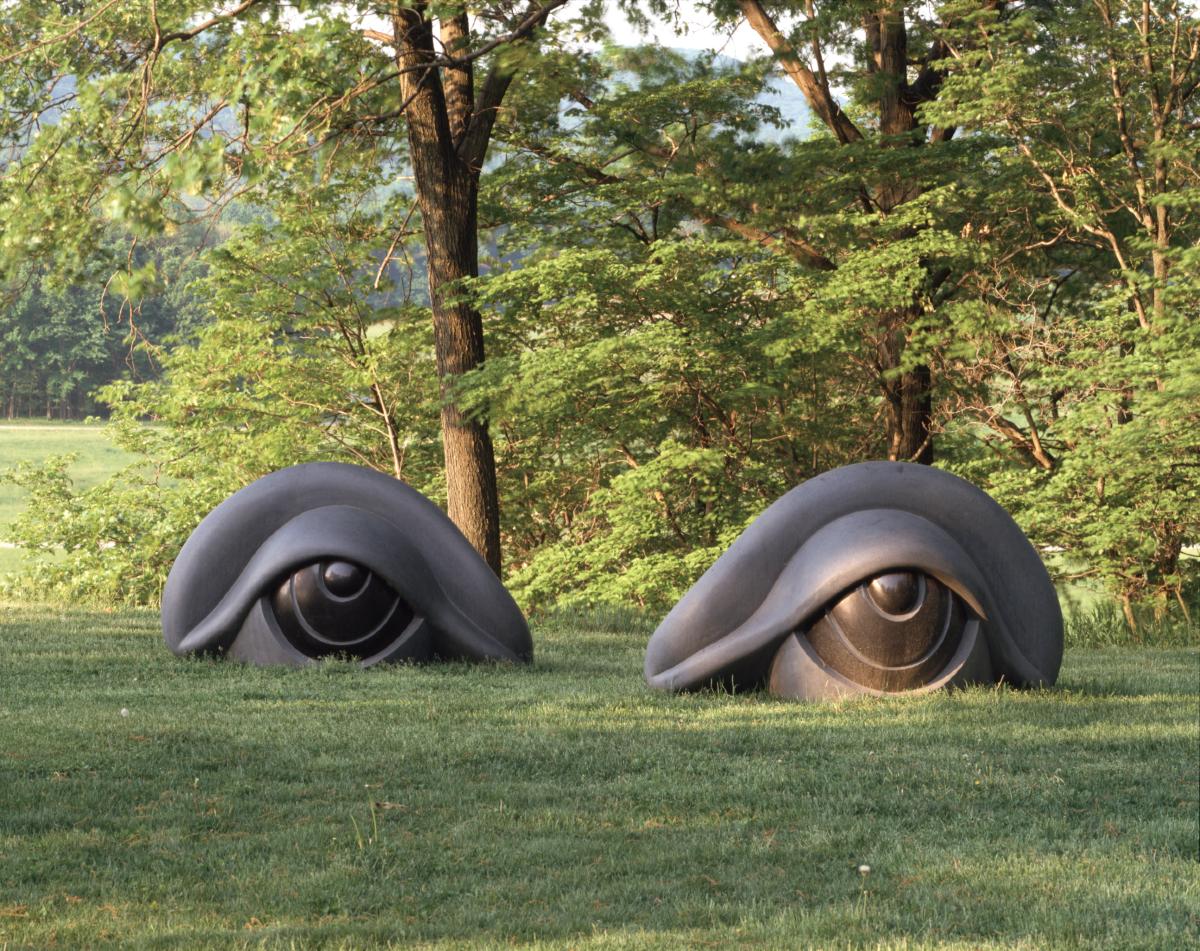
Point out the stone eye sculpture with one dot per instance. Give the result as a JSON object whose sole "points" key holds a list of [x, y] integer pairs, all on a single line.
{"points": [[875, 578], [332, 559]]}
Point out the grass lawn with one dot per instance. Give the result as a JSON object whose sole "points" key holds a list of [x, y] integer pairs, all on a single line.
{"points": [[34, 440], [567, 806]]}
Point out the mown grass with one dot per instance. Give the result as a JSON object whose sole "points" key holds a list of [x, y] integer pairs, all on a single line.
{"points": [[32, 440], [565, 805]]}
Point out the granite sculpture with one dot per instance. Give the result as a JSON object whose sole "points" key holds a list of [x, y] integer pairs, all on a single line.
{"points": [[332, 559], [876, 578]]}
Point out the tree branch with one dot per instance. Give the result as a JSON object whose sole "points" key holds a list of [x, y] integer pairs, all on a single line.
{"points": [[817, 93], [207, 24], [472, 146], [458, 81], [788, 243], [62, 37]]}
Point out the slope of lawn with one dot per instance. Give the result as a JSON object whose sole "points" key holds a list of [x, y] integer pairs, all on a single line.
{"points": [[154, 802], [35, 441]]}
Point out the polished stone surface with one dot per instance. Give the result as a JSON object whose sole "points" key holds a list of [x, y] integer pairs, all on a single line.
{"points": [[875, 578], [328, 559]]}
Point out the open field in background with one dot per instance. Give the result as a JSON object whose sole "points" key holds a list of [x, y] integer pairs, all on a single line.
{"points": [[569, 806], [33, 441]]}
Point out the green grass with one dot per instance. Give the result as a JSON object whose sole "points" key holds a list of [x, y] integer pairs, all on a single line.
{"points": [[1105, 626], [33, 440], [567, 806]]}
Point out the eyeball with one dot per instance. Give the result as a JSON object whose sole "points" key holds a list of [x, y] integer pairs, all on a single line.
{"points": [[327, 559], [338, 607], [877, 578], [893, 632]]}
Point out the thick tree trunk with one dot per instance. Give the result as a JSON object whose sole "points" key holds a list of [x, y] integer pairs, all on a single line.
{"points": [[450, 243], [909, 402], [909, 436], [447, 193]]}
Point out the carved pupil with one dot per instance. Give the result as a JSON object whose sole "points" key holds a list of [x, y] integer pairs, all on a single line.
{"points": [[343, 579], [895, 632], [897, 592], [339, 607]]}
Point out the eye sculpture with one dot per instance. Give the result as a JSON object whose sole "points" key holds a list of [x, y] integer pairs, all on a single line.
{"points": [[331, 559], [876, 578]]}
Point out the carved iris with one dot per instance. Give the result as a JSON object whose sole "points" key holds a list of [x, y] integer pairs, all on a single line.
{"points": [[893, 632], [338, 607]]}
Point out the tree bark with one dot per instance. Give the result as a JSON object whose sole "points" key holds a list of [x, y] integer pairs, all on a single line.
{"points": [[447, 194], [908, 403], [909, 400]]}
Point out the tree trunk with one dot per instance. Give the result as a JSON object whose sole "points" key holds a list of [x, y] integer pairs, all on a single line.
{"points": [[450, 243], [908, 405], [447, 194], [908, 401]]}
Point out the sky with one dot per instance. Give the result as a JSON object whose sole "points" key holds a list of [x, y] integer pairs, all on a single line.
{"points": [[697, 30], [701, 32]]}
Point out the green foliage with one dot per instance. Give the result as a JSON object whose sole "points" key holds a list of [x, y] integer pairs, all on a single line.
{"points": [[683, 321], [35, 441], [652, 384], [54, 348], [1123, 496], [60, 342], [649, 401], [311, 350], [109, 544], [308, 351], [1088, 385]]}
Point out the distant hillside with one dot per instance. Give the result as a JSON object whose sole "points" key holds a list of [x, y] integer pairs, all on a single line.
{"points": [[781, 93]]}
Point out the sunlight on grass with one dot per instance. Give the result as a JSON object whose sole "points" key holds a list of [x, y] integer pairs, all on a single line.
{"points": [[34, 441], [568, 806]]}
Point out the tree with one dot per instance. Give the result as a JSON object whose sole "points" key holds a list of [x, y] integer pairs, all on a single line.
{"points": [[59, 343], [657, 382], [152, 112], [995, 232], [309, 350], [1088, 377], [866, 71]]}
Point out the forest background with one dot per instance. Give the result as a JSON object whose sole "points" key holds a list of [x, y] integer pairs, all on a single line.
{"points": [[606, 302]]}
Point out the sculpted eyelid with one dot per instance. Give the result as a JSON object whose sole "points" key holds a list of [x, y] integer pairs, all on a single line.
{"points": [[327, 558], [798, 602]]}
